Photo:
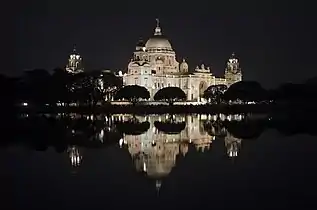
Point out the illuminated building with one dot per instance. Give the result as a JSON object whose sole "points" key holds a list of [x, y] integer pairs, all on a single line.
{"points": [[233, 71], [154, 66], [74, 65]]}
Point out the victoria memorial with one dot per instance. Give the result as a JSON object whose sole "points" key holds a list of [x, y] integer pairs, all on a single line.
{"points": [[154, 66]]}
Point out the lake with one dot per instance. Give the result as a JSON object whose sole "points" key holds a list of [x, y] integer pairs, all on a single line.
{"points": [[155, 162]]}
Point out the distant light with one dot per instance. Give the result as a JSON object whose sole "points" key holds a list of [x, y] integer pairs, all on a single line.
{"points": [[120, 142], [25, 104]]}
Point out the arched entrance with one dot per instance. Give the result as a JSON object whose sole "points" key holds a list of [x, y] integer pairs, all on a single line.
{"points": [[202, 87]]}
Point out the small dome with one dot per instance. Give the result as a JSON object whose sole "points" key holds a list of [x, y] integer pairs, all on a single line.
{"points": [[183, 65]]}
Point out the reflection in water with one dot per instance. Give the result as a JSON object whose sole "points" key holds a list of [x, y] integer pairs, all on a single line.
{"points": [[153, 141], [232, 144], [154, 152], [74, 156], [262, 176]]}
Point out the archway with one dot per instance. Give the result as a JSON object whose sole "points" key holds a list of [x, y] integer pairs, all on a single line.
{"points": [[202, 87]]}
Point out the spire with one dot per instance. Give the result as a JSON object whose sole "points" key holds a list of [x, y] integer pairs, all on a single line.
{"points": [[158, 28], [74, 49]]}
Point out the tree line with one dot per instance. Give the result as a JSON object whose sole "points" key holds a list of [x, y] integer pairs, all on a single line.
{"points": [[40, 88]]}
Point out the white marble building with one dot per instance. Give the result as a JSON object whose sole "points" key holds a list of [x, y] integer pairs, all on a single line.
{"points": [[154, 66]]}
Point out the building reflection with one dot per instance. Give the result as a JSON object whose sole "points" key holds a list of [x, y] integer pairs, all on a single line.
{"points": [[74, 156], [233, 145], [155, 152]]}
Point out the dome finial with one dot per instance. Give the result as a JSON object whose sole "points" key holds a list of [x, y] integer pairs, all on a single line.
{"points": [[158, 28], [157, 22], [74, 48]]}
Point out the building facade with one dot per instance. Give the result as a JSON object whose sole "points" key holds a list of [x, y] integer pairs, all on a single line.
{"points": [[154, 66]]}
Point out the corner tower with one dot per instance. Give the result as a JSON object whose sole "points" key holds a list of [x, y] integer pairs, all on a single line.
{"points": [[233, 71], [74, 65]]}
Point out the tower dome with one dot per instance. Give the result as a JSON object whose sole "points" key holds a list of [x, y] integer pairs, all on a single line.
{"points": [[158, 41], [183, 66]]}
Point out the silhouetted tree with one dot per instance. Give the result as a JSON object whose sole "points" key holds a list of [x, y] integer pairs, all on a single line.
{"points": [[214, 93], [133, 93], [110, 85], [170, 94], [62, 86], [7, 91], [35, 87], [245, 91], [87, 88]]}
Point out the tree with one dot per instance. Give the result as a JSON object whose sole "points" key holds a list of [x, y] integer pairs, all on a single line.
{"points": [[62, 86], [170, 94], [36, 87], [110, 84], [7, 92], [245, 91], [133, 93], [97, 86], [215, 93]]}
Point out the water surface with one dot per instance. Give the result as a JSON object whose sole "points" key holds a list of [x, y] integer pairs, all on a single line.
{"points": [[182, 168]]}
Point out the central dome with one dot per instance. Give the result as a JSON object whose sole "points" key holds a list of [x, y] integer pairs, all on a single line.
{"points": [[158, 41]]}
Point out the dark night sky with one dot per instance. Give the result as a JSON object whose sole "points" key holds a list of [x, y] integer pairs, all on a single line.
{"points": [[275, 42]]}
